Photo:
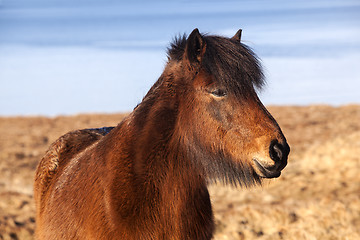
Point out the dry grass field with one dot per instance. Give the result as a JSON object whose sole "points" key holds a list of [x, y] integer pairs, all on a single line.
{"points": [[316, 197]]}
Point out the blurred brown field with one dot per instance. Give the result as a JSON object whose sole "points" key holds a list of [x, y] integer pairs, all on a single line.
{"points": [[316, 197]]}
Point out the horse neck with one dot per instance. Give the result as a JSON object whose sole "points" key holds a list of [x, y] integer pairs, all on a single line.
{"points": [[158, 153], [166, 186]]}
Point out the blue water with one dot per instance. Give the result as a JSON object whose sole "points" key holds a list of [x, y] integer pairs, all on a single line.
{"points": [[67, 56]]}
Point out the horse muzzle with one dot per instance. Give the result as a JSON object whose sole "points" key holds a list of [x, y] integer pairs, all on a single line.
{"points": [[278, 154]]}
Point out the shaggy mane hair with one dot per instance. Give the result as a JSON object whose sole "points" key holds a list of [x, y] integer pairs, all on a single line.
{"points": [[234, 65]]}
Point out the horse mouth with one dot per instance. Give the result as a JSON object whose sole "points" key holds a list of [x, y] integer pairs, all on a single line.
{"points": [[266, 172]]}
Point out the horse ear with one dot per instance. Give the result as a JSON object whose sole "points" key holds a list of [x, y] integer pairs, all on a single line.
{"points": [[237, 36], [195, 47]]}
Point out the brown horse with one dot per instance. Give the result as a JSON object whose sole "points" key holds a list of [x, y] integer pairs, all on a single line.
{"points": [[147, 178]]}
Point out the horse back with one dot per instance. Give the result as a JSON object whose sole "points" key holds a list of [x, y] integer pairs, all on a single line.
{"points": [[59, 155]]}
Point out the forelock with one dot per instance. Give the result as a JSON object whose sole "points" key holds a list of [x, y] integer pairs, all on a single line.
{"points": [[233, 65]]}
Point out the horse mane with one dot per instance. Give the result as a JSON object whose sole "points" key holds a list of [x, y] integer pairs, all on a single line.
{"points": [[234, 65]]}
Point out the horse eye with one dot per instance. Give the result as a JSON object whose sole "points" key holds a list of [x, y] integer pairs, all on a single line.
{"points": [[219, 93]]}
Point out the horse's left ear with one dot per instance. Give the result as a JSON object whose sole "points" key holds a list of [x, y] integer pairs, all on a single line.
{"points": [[195, 47], [237, 36]]}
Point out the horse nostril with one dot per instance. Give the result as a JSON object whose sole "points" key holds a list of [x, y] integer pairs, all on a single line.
{"points": [[277, 151]]}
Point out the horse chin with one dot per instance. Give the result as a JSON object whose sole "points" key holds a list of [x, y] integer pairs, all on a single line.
{"points": [[265, 172]]}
